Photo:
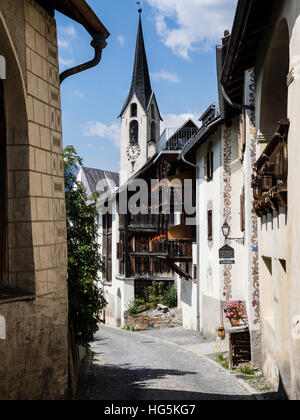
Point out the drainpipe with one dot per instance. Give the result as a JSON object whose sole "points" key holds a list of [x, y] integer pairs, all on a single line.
{"points": [[197, 241], [98, 43]]}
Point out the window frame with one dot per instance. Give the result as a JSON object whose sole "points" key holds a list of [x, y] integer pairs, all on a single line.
{"points": [[209, 166], [133, 110], [136, 141], [209, 225]]}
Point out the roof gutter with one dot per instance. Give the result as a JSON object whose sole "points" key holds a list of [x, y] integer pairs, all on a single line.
{"points": [[98, 43], [82, 13]]}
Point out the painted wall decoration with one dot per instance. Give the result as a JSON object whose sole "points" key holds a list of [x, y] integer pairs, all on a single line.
{"points": [[251, 127], [227, 196]]}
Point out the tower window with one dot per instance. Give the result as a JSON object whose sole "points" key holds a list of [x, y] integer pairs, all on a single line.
{"points": [[134, 132], [133, 112], [152, 112], [153, 131]]}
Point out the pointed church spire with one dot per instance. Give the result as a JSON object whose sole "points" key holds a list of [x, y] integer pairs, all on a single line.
{"points": [[140, 85]]}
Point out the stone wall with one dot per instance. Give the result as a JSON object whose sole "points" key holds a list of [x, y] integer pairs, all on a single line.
{"points": [[34, 353], [152, 320]]}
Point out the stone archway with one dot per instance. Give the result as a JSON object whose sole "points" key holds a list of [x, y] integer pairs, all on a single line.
{"points": [[274, 94], [15, 164]]}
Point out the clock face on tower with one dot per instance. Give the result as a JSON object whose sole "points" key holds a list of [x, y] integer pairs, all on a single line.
{"points": [[133, 152]]}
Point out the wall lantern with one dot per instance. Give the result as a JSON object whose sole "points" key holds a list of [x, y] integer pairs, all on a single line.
{"points": [[226, 231]]}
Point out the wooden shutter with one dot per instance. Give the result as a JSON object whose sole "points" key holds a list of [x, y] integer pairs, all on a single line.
{"points": [[205, 168], [242, 136], [211, 165], [182, 219], [210, 225], [242, 210]]}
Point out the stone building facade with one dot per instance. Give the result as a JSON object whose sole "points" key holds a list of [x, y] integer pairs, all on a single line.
{"points": [[33, 276]]}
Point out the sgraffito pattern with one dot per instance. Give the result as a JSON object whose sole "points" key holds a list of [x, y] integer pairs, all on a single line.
{"points": [[227, 195], [254, 222]]}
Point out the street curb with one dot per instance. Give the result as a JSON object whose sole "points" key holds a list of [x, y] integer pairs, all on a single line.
{"points": [[243, 384]]}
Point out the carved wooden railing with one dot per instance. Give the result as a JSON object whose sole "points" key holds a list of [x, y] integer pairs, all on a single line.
{"points": [[143, 221], [269, 181], [174, 248], [146, 265]]}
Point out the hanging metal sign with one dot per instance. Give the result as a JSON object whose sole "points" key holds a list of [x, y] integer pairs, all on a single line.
{"points": [[226, 252]]}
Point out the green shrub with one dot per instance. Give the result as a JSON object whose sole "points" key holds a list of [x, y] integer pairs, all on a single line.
{"points": [[86, 300], [137, 306], [170, 297]]}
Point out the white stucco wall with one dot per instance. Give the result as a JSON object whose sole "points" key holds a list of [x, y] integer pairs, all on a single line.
{"points": [[279, 237], [208, 197]]}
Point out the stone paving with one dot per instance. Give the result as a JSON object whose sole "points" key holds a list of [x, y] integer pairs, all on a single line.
{"points": [[155, 365]]}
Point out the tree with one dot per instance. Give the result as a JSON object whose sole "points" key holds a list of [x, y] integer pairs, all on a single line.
{"points": [[86, 300]]}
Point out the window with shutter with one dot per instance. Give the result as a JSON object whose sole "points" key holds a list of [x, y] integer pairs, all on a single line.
{"points": [[209, 166], [242, 136], [242, 210], [210, 225]]}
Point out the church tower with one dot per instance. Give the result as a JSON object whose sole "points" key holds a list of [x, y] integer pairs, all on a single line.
{"points": [[140, 128]]}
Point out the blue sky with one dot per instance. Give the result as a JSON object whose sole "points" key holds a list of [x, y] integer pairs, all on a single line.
{"points": [[180, 38]]}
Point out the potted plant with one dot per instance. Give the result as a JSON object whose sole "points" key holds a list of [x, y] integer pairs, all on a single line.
{"points": [[236, 312]]}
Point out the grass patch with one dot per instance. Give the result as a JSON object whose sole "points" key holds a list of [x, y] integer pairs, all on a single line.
{"points": [[246, 370], [224, 361]]}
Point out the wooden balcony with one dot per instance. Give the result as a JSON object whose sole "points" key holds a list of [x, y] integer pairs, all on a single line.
{"points": [[144, 222], [147, 266], [176, 250], [269, 181]]}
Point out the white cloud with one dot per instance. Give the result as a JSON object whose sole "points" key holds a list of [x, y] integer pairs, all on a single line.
{"points": [[78, 93], [63, 43], [177, 120], [166, 75], [199, 24], [121, 40], [110, 132], [66, 62], [66, 34], [68, 31]]}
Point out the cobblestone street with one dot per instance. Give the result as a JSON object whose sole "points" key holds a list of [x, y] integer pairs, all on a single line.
{"points": [[154, 366]]}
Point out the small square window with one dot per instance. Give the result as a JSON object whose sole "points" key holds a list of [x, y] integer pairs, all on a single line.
{"points": [[209, 225]]}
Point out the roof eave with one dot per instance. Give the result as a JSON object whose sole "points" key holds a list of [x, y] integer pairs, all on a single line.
{"points": [[81, 12], [201, 137], [239, 25]]}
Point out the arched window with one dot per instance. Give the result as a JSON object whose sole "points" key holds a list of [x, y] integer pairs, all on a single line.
{"points": [[133, 112], [153, 131], [134, 132], [3, 191]]}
